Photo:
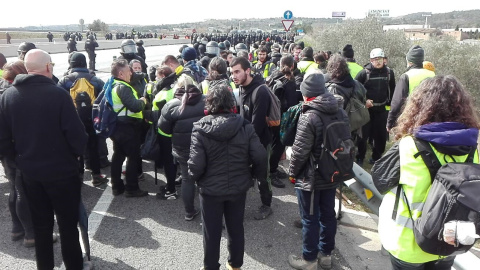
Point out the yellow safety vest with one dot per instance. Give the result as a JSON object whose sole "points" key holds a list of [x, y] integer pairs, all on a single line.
{"points": [[397, 235], [179, 70], [354, 68], [206, 84], [416, 76], [306, 66], [117, 102], [166, 95]]}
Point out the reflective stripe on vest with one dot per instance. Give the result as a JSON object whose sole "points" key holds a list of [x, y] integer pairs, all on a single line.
{"points": [[416, 76], [354, 68], [305, 66], [117, 102], [166, 95], [397, 235]]}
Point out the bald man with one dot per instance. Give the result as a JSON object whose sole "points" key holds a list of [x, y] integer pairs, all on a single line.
{"points": [[41, 130]]}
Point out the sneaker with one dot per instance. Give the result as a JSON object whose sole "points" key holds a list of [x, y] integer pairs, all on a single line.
{"points": [[281, 174], [164, 194], [263, 212], [178, 181], [300, 263], [98, 180], [136, 193], [191, 216], [117, 191], [275, 181], [324, 260], [298, 223], [229, 267]]}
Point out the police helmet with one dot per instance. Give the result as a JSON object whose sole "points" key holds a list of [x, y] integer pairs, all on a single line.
{"points": [[199, 39], [377, 52], [128, 47], [204, 41], [240, 47], [25, 47], [91, 37], [139, 42], [201, 49], [72, 36], [212, 48], [183, 47], [222, 46], [227, 44]]}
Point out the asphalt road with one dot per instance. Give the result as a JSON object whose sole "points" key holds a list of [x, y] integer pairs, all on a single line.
{"points": [[146, 233]]}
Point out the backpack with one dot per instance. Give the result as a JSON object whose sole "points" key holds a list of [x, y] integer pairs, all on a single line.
{"points": [[274, 114], [103, 115], [338, 149], [288, 124], [357, 112], [83, 95], [454, 195]]}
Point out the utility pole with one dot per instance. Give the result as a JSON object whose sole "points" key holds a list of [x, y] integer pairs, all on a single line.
{"points": [[426, 19]]}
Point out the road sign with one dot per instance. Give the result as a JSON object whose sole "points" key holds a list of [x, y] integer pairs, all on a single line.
{"points": [[378, 13], [338, 14], [288, 15], [287, 24]]}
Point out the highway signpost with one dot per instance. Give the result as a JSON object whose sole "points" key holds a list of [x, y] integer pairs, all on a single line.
{"points": [[287, 22]]}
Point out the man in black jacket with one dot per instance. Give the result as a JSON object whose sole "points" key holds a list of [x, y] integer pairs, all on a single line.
{"points": [[78, 65], [90, 46], [255, 109], [40, 129], [379, 81], [126, 138]]}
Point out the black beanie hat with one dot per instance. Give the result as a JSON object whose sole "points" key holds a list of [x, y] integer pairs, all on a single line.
{"points": [[313, 85], [416, 55], [78, 60], [308, 52], [348, 51]]}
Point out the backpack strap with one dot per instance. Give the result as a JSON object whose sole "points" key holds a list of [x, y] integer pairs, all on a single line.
{"points": [[428, 155]]}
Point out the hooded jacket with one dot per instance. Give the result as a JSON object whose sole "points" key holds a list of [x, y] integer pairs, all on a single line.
{"points": [[256, 112], [223, 148], [346, 87], [451, 141], [40, 127], [308, 140], [177, 122], [289, 96]]}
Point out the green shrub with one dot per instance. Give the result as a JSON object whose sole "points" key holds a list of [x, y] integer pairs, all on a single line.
{"points": [[450, 57]]}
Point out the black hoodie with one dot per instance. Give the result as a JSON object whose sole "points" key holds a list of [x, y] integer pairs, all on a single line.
{"points": [[222, 150], [256, 112]]}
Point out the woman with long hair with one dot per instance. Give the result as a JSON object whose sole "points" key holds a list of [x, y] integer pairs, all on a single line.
{"points": [[440, 112]]}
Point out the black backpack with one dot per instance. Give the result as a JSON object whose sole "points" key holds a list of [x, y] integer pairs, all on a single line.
{"points": [[338, 150], [454, 195]]}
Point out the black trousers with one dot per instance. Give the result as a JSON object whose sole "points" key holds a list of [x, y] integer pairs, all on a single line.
{"points": [[61, 197], [126, 144], [277, 149], [213, 209], [166, 159], [17, 200], [92, 150], [376, 130]]}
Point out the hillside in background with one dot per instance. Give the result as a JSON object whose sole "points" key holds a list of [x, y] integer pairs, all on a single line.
{"points": [[462, 19]]}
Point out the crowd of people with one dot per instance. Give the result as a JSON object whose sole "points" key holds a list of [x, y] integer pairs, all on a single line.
{"points": [[207, 107]]}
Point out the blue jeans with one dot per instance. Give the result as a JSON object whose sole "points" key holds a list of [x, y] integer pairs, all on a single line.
{"points": [[322, 222]]}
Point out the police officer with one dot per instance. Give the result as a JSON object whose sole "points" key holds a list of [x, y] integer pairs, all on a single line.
{"points": [[72, 44], [140, 49], [90, 46], [211, 51], [128, 51]]}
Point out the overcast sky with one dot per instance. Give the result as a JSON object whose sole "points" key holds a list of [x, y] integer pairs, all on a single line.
{"points": [[59, 12]]}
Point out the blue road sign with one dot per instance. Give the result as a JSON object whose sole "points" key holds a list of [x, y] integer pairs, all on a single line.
{"points": [[288, 15]]}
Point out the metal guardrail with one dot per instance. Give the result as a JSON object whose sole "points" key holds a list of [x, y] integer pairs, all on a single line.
{"points": [[364, 188]]}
